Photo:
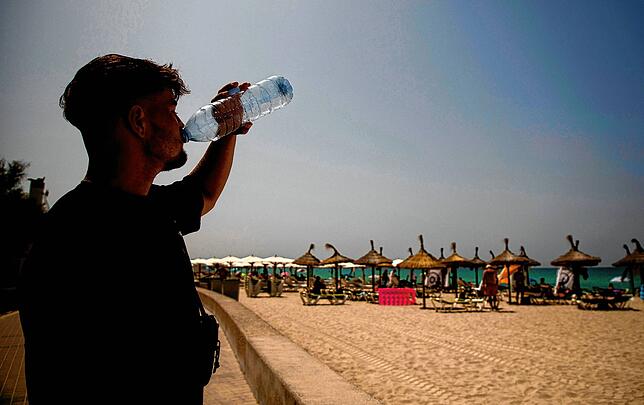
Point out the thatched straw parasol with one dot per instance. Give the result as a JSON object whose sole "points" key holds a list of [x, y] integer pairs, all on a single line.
{"points": [[335, 260], [476, 263], [453, 262], [633, 263], [575, 257], [373, 259], [531, 263], [507, 258], [576, 260], [421, 260], [308, 260]]}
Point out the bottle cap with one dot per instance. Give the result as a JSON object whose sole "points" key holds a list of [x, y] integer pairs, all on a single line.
{"points": [[185, 137]]}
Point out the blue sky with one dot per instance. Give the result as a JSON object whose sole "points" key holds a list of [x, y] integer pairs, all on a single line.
{"points": [[465, 121]]}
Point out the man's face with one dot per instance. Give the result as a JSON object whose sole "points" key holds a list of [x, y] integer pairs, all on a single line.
{"points": [[164, 142]]}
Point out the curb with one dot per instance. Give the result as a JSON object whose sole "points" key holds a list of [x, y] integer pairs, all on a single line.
{"points": [[277, 370]]}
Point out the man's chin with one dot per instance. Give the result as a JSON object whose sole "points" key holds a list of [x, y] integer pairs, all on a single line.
{"points": [[177, 162]]}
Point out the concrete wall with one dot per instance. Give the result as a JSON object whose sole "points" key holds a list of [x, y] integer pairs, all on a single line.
{"points": [[277, 370]]}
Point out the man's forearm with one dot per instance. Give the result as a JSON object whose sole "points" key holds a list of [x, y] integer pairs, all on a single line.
{"points": [[213, 169]]}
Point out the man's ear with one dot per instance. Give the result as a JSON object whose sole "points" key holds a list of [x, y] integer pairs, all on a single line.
{"points": [[136, 120]]}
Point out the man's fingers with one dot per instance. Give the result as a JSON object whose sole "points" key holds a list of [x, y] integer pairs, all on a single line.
{"points": [[229, 86], [243, 130], [224, 91]]}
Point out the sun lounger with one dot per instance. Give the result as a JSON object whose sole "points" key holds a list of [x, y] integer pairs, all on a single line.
{"points": [[593, 301], [277, 286], [447, 303], [290, 285], [450, 303], [477, 304], [372, 297], [254, 287], [309, 298]]}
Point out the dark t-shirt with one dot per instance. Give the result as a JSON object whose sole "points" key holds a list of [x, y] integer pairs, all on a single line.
{"points": [[108, 305], [519, 280]]}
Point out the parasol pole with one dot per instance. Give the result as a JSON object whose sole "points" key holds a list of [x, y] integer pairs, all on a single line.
{"points": [[506, 240], [507, 266], [476, 269], [424, 278], [455, 280], [527, 274]]}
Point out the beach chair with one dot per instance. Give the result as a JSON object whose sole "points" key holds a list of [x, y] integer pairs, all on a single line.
{"points": [[372, 297], [290, 284], [333, 297], [606, 302], [309, 298], [277, 286], [449, 303], [254, 287], [477, 303]]}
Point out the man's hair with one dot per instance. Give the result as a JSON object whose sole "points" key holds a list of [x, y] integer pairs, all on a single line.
{"points": [[107, 87]]}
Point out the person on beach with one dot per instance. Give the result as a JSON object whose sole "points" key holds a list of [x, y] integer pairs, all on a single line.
{"points": [[318, 285], [385, 280], [108, 305], [490, 286], [519, 285], [393, 280]]}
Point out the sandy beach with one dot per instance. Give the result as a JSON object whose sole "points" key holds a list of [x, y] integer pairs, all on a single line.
{"points": [[522, 354]]}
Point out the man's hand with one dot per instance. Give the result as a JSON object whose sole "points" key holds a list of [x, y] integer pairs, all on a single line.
{"points": [[229, 112]]}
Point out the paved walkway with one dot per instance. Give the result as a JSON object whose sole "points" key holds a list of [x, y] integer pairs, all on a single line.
{"points": [[12, 357], [227, 386]]}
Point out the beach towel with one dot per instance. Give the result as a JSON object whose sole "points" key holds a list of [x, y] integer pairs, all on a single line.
{"points": [[434, 278], [447, 275], [503, 277], [565, 279]]}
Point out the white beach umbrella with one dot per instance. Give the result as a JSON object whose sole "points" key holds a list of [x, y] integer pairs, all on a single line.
{"points": [[351, 265], [213, 260], [252, 260], [230, 260], [278, 260], [199, 261]]}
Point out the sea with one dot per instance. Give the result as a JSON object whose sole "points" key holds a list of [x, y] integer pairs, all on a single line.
{"points": [[597, 276]]}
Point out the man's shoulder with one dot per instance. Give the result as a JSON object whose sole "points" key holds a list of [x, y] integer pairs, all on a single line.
{"points": [[78, 196]]}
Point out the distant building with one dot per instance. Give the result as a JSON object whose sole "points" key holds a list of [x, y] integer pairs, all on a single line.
{"points": [[38, 193]]}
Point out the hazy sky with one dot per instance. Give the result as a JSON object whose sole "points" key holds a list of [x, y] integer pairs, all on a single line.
{"points": [[466, 121]]}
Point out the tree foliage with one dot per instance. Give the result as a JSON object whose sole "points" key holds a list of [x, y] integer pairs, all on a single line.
{"points": [[19, 216]]}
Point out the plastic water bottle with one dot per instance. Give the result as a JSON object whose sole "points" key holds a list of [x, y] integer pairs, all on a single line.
{"points": [[259, 100]]}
